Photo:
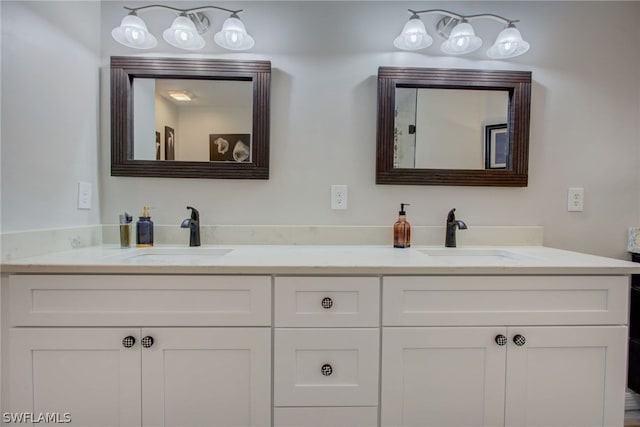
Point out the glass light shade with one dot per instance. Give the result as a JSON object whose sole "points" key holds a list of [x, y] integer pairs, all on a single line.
{"points": [[414, 36], [508, 44], [233, 35], [133, 32], [183, 34], [461, 40]]}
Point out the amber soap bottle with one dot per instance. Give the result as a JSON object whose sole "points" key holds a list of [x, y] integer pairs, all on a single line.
{"points": [[402, 229]]}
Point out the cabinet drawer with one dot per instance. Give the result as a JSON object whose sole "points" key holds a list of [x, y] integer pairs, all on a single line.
{"points": [[365, 416], [326, 367], [505, 300], [327, 301], [126, 300]]}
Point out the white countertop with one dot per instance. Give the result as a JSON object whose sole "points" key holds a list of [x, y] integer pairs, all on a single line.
{"points": [[282, 259]]}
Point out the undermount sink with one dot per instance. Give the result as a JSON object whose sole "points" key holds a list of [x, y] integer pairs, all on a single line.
{"points": [[175, 255], [475, 254]]}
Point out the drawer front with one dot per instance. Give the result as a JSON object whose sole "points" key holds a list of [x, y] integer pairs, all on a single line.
{"points": [[365, 416], [326, 367], [327, 301], [123, 300], [505, 300]]}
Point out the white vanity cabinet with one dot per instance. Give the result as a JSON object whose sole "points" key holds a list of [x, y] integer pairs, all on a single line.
{"points": [[199, 351], [326, 351], [514, 351], [313, 350]]}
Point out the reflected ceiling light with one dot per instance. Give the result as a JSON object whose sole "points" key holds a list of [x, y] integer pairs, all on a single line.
{"points": [[185, 32], [460, 37], [181, 95]]}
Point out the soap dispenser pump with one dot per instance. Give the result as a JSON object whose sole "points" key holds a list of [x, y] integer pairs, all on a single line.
{"points": [[144, 229], [402, 229]]}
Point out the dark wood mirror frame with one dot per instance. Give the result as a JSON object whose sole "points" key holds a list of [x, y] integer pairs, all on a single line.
{"points": [[518, 85], [125, 69]]}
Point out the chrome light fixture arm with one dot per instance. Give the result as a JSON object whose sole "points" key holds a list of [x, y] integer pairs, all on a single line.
{"points": [[175, 9], [461, 17]]}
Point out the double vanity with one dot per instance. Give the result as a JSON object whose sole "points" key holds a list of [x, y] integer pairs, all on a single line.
{"points": [[317, 336]]}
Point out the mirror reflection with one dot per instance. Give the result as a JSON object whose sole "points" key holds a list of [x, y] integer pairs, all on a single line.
{"points": [[451, 129], [192, 120]]}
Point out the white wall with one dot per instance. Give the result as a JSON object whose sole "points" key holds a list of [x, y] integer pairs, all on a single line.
{"points": [[451, 123], [144, 109], [325, 55], [50, 88], [166, 115], [197, 123]]}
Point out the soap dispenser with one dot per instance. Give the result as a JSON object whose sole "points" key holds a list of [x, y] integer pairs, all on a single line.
{"points": [[144, 229], [402, 229]]}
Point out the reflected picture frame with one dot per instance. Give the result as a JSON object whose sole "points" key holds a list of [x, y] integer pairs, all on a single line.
{"points": [[158, 149], [230, 147], [496, 146], [169, 143]]}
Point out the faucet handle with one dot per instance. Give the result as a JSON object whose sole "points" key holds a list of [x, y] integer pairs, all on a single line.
{"points": [[195, 215], [451, 216]]}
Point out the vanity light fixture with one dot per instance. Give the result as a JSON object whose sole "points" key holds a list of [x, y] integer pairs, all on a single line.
{"points": [[185, 31], [460, 36]]}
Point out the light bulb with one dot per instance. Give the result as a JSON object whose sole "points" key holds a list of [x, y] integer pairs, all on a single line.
{"points": [[133, 32], [414, 36], [233, 35], [508, 44], [462, 40], [183, 34]]}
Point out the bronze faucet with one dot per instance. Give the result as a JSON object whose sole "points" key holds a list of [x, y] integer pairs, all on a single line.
{"points": [[193, 224], [452, 224]]}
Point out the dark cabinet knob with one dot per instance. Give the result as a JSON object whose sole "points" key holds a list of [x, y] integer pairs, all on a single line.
{"points": [[326, 370], [147, 342], [519, 340], [327, 303], [501, 340], [128, 342]]}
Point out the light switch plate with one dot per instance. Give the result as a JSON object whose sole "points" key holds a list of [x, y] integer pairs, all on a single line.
{"points": [[575, 199], [84, 195]]}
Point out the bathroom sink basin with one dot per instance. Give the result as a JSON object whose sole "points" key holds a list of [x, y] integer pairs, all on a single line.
{"points": [[475, 254], [175, 255]]}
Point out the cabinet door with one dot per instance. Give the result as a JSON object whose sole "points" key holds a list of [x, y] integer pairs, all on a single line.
{"points": [[86, 373], [207, 377], [442, 377], [566, 376]]}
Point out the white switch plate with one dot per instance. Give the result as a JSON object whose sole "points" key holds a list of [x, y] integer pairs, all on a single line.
{"points": [[575, 199], [339, 195], [84, 195]]}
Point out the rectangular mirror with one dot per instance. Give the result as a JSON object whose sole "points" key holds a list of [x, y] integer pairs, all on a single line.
{"points": [[452, 127], [190, 118], [447, 129]]}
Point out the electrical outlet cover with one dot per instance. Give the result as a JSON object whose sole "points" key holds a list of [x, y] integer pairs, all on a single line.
{"points": [[575, 199], [339, 195]]}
